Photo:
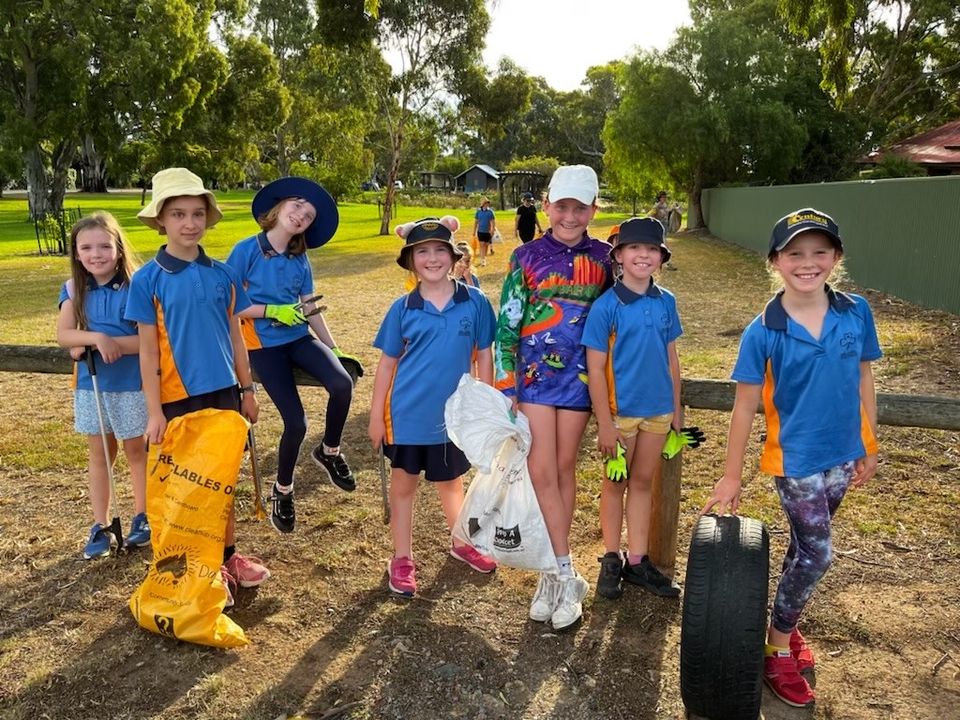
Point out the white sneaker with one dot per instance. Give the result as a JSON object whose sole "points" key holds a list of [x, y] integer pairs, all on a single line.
{"points": [[569, 602], [545, 598]]}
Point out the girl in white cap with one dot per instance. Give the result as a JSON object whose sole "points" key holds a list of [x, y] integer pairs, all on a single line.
{"points": [[540, 362]]}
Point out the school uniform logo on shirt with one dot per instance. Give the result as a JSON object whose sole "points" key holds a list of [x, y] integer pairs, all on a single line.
{"points": [[221, 293], [847, 343], [466, 327]]}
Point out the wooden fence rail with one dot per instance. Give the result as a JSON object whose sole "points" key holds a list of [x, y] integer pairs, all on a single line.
{"points": [[938, 413]]}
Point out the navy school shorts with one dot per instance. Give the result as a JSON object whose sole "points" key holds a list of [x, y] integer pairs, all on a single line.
{"points": [[437, 462]]}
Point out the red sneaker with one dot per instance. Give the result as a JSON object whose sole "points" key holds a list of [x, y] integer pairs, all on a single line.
{"points": [[801, 651], [469, 555], [781, 676], [403, 577]]}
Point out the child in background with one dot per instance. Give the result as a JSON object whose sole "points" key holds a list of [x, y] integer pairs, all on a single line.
{"points": [[192, 355], [634, 372], [539, 361], [295, 214], [463, 269], [484, 226], [427, 339], [807, 356], [92, 302]]}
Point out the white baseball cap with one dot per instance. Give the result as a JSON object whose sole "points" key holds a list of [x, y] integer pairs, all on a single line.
{"points": [[574, 181]]}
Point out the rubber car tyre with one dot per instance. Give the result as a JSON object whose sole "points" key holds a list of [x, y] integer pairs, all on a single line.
{"points": [[723, 629]]}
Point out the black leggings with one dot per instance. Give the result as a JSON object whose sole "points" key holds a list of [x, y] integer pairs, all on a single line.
{"points": [[274, 366]]}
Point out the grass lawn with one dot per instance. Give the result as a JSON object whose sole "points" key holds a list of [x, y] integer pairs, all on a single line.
{"points": [[327, 639]]}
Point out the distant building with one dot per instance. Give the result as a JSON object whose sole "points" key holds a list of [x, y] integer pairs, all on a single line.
{"points": [[476, 179], [439, 181], [937, 150]]}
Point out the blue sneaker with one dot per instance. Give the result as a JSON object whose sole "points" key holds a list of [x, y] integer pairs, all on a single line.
{"points": [[139, 534], [99, 543]]}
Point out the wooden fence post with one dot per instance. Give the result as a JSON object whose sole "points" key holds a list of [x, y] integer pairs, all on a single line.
{"points": [[665, 515]]}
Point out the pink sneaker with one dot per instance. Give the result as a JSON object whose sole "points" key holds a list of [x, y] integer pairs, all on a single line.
{"points": [[248, 571], [469, 555], [780, 674], [403, 576], [801, 651], [229, 585]]}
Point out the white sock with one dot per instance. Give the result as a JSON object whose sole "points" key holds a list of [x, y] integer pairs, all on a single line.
{"points": [[284, 489], [330, 450], [565, 566]]}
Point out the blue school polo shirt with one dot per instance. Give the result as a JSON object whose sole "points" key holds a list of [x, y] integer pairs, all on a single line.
{"points": [[435, 349], [270, 278], [105, 306], [635, 331], [811, 388], [484, 217], [191, 304]]}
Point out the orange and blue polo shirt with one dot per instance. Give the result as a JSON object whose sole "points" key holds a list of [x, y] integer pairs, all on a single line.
{"points": [[811, 387], [105, 306], [270, 278], [191, 304], [434, 347], [635, 332]]}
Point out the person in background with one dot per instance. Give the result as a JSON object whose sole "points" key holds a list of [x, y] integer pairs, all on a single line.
{"points": [[527, 223], [484, 226]]}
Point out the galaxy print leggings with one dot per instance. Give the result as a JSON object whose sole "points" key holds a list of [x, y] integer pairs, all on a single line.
{"points": [[809, 503]]}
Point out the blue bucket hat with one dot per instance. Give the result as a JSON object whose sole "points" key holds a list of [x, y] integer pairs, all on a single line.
{"points": [[644, 230], [328, 217]]}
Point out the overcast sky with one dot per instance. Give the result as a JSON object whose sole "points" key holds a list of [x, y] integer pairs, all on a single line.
{"points": [[560, 39]]}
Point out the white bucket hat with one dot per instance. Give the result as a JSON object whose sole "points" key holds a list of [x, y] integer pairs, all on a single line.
{"points": [[176, 182]]}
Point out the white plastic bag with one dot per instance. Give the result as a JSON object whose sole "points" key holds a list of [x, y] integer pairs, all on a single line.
{"points": [[500, 516]]}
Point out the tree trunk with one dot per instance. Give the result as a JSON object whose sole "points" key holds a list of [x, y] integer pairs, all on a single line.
{"points": [[38, 182], [695, 219], [94, 167], [397, 144]]}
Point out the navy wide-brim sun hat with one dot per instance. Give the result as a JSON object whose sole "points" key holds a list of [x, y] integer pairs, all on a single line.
{"points": [[328, 217]]}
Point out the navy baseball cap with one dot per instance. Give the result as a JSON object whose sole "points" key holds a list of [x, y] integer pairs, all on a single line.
{"points": [[646, 230], [801, 221], [324, 225]]}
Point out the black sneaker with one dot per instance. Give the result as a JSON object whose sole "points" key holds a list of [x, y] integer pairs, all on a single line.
{"points": [[283, 517], [337, 469], [608, 583], [646, 575]]}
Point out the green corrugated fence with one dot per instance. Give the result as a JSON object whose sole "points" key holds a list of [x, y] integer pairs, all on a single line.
{"points": [[900, 236]]}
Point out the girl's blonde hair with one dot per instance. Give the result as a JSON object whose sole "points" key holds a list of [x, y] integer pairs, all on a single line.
{"points": [[127, 260], [465, 249], [267, 221]]}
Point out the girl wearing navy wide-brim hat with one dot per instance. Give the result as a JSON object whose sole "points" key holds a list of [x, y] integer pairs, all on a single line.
{"points": [[294, 214]]}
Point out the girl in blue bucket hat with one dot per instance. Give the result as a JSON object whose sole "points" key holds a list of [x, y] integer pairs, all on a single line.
{"points": [[294, 214]]}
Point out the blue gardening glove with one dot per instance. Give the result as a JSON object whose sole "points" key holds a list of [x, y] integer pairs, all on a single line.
{"points": [[676, 441], [350, 363], [617, 467], [284, 314]]}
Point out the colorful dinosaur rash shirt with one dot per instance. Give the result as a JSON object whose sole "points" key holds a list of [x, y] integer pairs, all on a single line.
{"points": [[543, 307]]}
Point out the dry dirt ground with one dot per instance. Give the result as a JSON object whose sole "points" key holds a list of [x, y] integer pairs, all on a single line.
{"points": [[328, 640]]}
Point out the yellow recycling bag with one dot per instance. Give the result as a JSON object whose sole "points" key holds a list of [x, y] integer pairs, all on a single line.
{"points": [[191, 478]]}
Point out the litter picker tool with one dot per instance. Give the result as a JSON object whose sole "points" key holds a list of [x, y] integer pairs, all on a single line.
{"points": [[259, 511], [384, 492], [114, 528]]}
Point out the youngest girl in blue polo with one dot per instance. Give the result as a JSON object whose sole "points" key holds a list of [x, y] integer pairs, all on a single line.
{"points": [[428, 339], [807, 357]]}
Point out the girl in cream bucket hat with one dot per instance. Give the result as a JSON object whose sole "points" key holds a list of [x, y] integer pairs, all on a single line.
{"points": [[177, 182]]}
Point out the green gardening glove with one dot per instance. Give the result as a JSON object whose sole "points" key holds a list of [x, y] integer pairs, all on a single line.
{"points": [[676, 441], [284, 314], [350, 363], [617, 467]]}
